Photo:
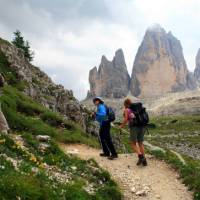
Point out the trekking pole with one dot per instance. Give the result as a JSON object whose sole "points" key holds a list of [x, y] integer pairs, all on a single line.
{"points": [[120, 141], [124, 146], [125, 151], [99, 140], [147, 131]]}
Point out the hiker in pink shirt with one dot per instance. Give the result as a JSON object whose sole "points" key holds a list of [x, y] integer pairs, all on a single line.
{"points": [[136, 132]]}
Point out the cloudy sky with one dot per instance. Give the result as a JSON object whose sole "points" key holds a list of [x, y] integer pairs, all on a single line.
{"points": [[70, 36]]}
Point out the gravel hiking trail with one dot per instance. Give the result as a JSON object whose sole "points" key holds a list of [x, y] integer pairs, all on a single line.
{"points": [[156, 181]]}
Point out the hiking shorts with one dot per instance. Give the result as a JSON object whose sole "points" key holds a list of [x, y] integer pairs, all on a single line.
{"points": [[137, 134]]}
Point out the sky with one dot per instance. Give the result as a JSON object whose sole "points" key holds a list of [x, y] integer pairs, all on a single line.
{"points": [[70, 36]]}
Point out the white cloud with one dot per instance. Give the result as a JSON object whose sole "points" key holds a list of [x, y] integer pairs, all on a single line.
{"points": [[180, 16], [74, 55]]}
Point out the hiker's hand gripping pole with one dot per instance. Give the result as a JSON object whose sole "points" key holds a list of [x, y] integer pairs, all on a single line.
{"points": [[121, 130]]}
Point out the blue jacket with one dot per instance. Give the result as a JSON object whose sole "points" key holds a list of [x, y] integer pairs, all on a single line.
{"points": [[101, 114]]}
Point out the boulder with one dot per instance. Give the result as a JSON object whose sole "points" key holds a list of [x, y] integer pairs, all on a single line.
{"points": [[43, 138]]}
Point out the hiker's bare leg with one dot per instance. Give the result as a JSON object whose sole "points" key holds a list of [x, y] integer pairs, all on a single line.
{"points": [[135, 148], [141, 147]]}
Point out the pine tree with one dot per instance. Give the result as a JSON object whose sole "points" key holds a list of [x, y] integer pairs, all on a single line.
{"points": [[19, 42], [28, 52]]}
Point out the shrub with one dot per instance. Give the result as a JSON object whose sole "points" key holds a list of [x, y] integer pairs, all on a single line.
{"points": [[52, 118]]}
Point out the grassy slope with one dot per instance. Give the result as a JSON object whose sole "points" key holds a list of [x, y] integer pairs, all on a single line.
{"points": [[24, 114], [176, 130], [26, 171]]}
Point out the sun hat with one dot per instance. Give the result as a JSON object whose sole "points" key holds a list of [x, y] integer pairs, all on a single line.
{"points": [[98, 98]]}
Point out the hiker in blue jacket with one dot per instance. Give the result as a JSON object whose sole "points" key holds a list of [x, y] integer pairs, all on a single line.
{"points": [[104, 131]]}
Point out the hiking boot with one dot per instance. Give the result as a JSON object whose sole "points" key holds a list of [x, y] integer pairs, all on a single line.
{"points": [[104, 155], [144, 162], [112, 157], [140, 160]]}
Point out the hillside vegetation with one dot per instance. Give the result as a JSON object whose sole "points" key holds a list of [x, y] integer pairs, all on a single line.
{"points": [[32, 167]]}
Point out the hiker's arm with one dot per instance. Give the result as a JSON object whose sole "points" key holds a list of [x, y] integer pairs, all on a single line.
{"points": [[125, 121]]}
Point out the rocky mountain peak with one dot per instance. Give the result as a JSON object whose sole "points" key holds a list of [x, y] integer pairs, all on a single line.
{"points": [[104, 59], [197, 68], [159, 65], [159, 68], [111, 79], [198, 58], [155, 28], [119, 60]]}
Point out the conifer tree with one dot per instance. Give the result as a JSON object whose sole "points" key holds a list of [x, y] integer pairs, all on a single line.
{"points": [[19, 42]]}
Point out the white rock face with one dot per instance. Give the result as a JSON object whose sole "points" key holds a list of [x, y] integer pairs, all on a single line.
{"points": [[159, 66]]}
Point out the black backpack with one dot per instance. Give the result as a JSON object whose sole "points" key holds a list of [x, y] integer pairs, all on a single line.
{"points": [[142, 117], [110, 114]]}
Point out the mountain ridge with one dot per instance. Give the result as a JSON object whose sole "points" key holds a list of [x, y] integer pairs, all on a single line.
{"points": [[159, 67]]}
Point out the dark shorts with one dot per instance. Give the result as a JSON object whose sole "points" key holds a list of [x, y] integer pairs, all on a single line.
{"points": [[137, 134]]}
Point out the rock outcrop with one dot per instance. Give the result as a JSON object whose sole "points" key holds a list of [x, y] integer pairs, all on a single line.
{"points": [[159, 66], [111, 79], [197, 69], [41, 88], [3, 122], [191, 81]]}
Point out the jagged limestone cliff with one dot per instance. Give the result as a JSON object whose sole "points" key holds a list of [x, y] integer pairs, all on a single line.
{"points": [[159, 66], [197, 68], [111, 79]]}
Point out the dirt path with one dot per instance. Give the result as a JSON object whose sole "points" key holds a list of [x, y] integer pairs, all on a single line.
{"points": [[156, 181]]}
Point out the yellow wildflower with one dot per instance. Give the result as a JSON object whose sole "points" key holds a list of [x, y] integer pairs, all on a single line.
{"points": [[18, 143], [41, 165], [33, 158], [2, 141]]}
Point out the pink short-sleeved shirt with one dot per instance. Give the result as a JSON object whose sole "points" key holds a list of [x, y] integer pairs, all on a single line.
{"points": [[131, 115]]}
